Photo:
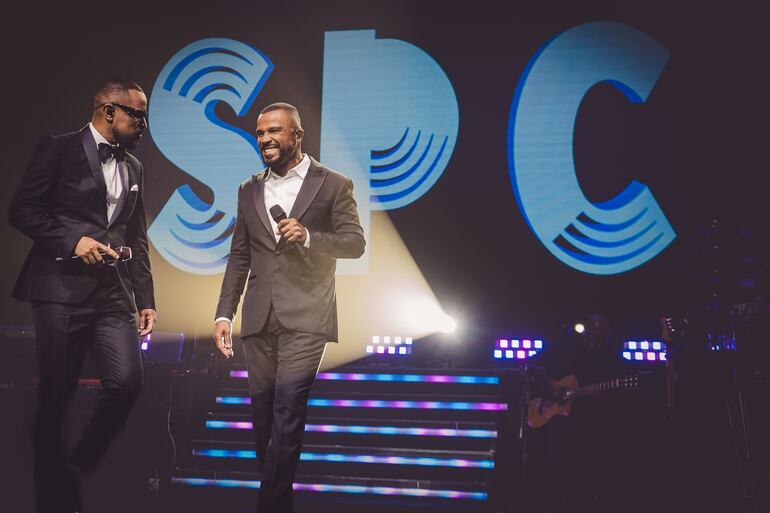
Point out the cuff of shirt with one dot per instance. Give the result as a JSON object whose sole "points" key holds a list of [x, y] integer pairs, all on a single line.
{"points": [[223, 319], [307, 239]]}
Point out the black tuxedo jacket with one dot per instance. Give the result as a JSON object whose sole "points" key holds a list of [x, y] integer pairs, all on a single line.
{"points": [[297, 281], [61, 198]]}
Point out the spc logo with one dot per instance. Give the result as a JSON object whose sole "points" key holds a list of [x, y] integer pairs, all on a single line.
{"points": [[389, 122], [607, 238], [190, 233]]}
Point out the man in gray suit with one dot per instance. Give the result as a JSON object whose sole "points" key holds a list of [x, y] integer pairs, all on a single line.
{"points": [[289, 308]]}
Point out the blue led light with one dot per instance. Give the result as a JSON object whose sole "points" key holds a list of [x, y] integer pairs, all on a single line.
{"points": [[397, 460], [233, 400], [356, 458], [330, 488], [225, 453]]}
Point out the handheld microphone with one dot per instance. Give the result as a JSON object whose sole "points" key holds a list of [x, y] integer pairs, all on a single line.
{"points": [[278, 214], [124, 254]]}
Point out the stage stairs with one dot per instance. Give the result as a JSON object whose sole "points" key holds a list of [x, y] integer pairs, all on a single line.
{"points": [[392, 437]]}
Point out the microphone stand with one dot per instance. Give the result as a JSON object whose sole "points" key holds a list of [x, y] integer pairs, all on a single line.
{"points": [[526, 380]]}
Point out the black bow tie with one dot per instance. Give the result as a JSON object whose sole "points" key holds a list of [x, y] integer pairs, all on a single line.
{"points": [[107, 151]]}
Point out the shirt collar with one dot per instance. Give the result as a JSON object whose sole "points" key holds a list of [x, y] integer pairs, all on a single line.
{"points": [[300, 169], [99, 138]]}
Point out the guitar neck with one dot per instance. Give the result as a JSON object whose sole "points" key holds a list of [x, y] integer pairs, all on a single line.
{"points": [[603, 386]]}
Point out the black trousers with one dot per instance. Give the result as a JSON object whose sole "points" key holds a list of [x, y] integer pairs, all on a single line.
{"points": [[104, 326], [282, 366]]}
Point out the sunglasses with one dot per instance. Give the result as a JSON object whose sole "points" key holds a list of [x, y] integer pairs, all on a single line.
{"points": [[137, 114]]}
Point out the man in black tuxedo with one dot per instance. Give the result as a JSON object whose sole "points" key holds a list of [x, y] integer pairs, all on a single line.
{"points": [[289, 308], [79, 200]]}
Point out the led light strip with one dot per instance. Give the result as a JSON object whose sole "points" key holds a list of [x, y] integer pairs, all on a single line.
{"points": [[331, 488], [355, 458], [368, 430], [356, 403], [410, 378], [398, 378]]}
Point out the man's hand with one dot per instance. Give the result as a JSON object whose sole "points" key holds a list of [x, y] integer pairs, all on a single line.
{"points": [[292, 231], [223, 338], [89, 250], [147, 319]]}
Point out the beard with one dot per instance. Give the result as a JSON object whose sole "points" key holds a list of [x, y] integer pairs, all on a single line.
{"points": [[285, 155], [129, 141]]}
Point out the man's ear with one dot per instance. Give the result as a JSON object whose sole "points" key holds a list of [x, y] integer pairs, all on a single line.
{"points": [[109, 113], [300, 133]]}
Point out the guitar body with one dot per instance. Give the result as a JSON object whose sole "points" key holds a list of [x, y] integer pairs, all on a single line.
{"points": [[541, 411]]}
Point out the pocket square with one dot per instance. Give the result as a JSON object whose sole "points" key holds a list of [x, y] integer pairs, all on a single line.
{"points": [[134, 188]]}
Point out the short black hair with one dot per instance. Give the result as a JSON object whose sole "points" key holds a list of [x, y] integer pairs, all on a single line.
{"points": [[283, 106], [111, 87]]}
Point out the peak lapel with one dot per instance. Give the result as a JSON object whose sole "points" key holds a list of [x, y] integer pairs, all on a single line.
{"points": [[258, 194], [92, 154], [312, 183]]}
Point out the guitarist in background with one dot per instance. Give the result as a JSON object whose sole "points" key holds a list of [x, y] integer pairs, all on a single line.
{"points": [[578, 462]]}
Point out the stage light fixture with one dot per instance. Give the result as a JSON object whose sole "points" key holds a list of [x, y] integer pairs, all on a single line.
{"points": [[390, 345], [644, 350], [579, 327], [517, 348]]}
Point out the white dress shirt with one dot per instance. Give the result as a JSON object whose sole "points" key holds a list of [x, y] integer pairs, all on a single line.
{"points": [[112, 175], [283, 191]]}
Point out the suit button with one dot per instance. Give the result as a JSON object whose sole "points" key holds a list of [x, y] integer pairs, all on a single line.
{"points": [[277, 252]]}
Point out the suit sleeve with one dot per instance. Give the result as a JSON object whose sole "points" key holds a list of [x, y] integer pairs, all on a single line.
{"points": [[346, 240], [139, 265], [36, 193], [238, 265]]}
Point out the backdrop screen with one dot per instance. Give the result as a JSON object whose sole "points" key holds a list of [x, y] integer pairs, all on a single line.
{"points": [[539, 163]]}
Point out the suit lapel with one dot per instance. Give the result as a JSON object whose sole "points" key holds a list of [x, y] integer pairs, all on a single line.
{"points": [[128, 178], [312, 183], [258, 191], [92, 153]]}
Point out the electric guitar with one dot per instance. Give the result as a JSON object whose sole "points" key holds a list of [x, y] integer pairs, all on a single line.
{"points": [[565, 390]]}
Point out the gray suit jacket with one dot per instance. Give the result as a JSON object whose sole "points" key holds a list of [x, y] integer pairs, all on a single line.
{"points": [[297, 281]]}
